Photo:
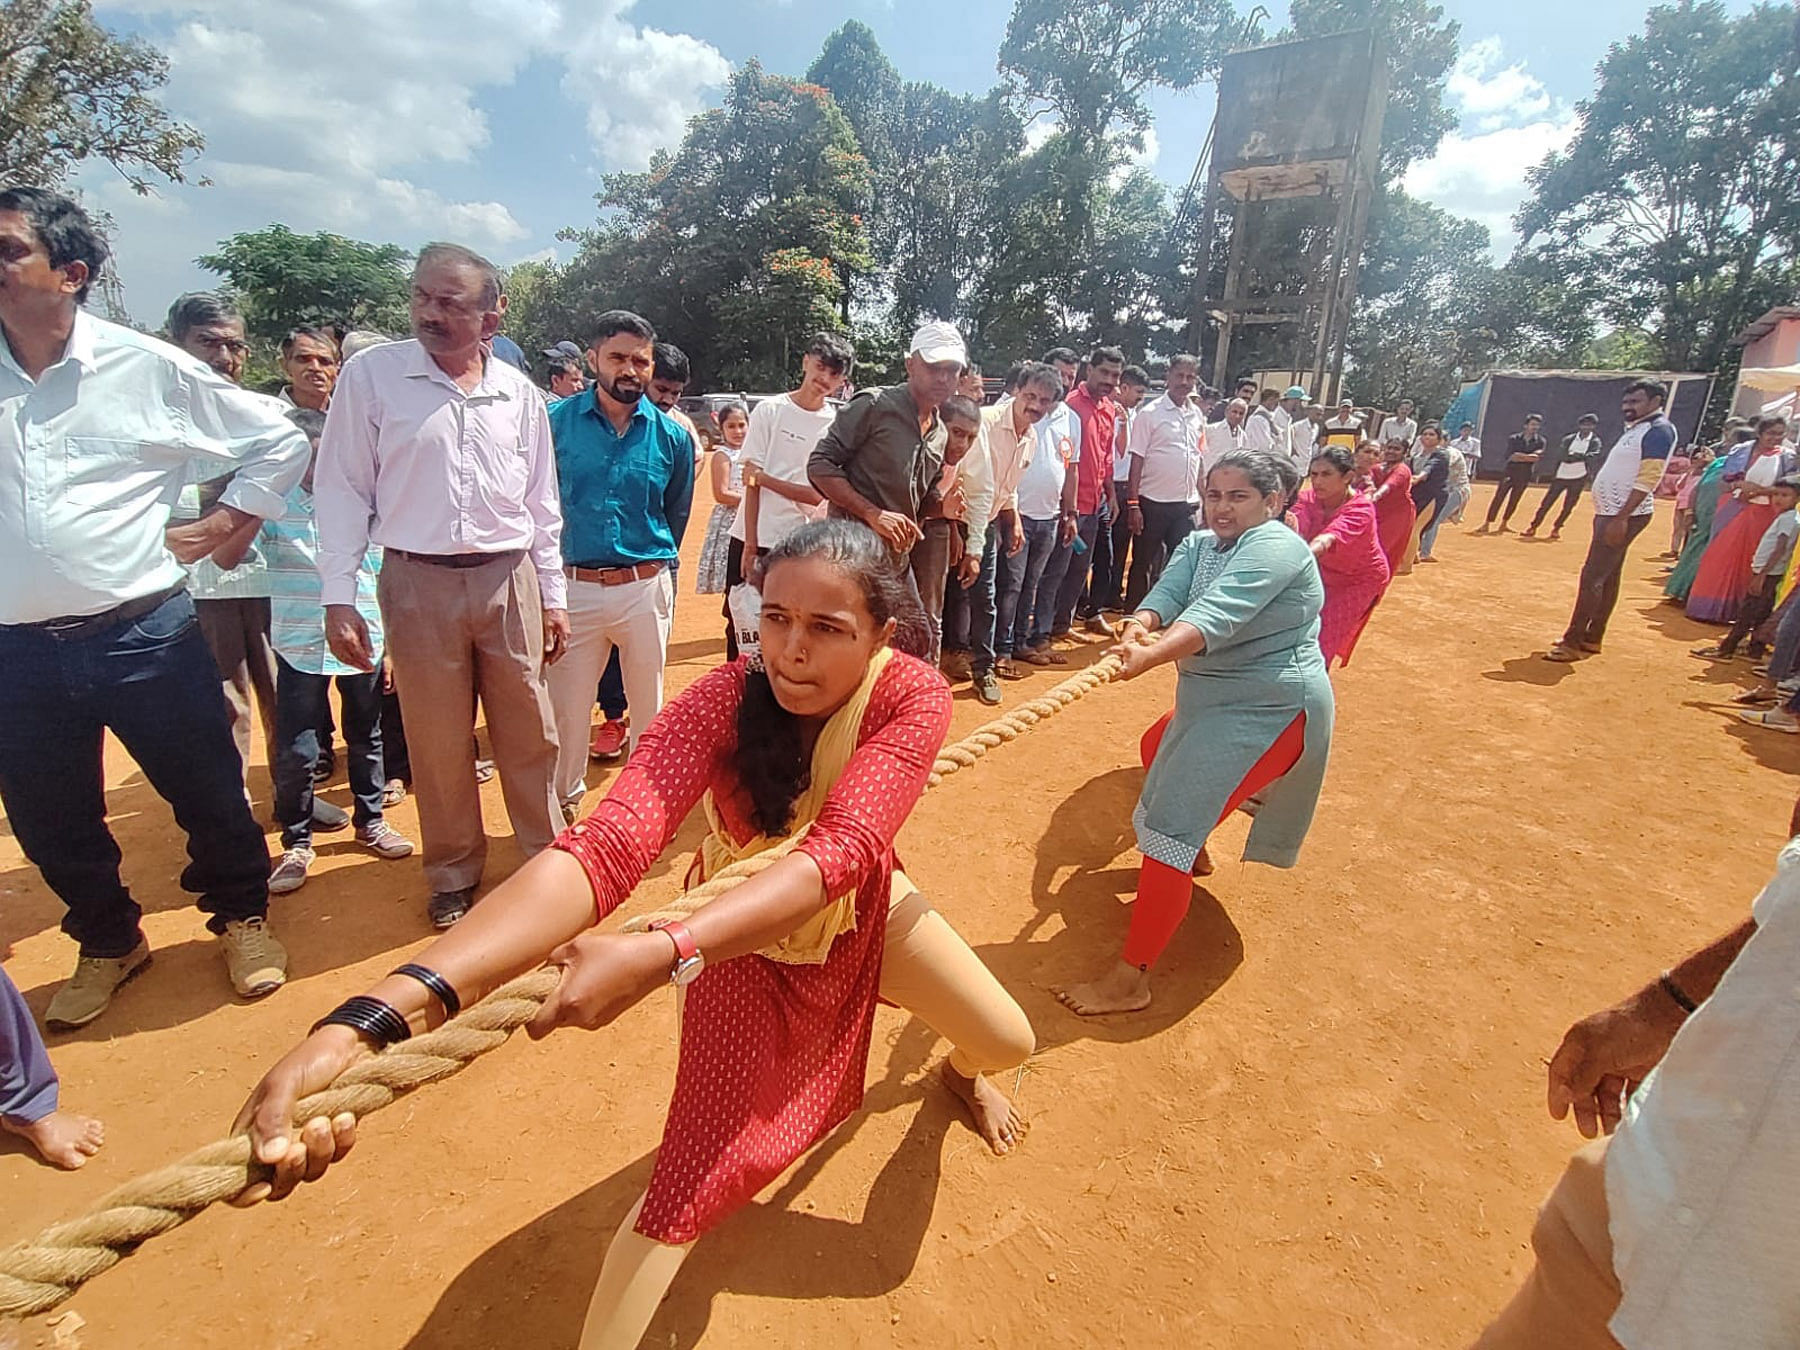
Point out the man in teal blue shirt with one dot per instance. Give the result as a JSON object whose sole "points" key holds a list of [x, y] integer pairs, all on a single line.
{"points": [[625, 470]]}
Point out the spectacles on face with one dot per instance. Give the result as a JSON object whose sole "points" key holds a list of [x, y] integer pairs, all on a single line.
{"points": [[235, 346]]}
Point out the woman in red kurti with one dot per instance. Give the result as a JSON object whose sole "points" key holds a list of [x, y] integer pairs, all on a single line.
{"points": [[1342, 528], [1392, 496], [781, 974]]}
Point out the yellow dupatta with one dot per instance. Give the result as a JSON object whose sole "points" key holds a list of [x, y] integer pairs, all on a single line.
{"points": [[810, 943]]}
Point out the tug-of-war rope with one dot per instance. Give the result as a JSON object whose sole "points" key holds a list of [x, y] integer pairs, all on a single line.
{"points": [[38, 1274]]}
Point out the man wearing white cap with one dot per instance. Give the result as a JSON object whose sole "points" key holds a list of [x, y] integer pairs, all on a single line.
{"points": [[882, 456], [1302, 431]]}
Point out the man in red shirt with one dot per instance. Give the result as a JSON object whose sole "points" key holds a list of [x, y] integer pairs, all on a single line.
{"points": [[1095, 507]]}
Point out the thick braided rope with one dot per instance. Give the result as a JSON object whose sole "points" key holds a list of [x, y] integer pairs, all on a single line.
{"points": [[37, 1275]]}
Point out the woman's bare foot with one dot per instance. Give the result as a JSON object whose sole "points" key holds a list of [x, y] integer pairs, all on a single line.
{"points": [[62, 1138], [996, 1119], [1122, 989]]}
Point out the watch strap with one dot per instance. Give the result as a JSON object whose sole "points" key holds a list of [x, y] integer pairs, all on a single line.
{"points": [[686, 949]]}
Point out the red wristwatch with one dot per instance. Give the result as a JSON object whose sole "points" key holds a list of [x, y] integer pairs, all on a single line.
{"points": [[688, 960]]}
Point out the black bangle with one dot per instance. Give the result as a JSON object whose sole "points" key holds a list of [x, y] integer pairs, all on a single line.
{"points": [[1677, 993], [436, 983], [377, 1020]]}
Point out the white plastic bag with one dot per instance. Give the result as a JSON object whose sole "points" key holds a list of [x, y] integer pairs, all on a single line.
{"points": [[745, 602]]}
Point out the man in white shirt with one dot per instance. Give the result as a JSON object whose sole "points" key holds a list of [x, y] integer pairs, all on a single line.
{"points": [[1402, 425], [1262, 429], [980, 619], [778, 499], [1047, 513], [101, 428], [1227, 434], [1468, 445], [1163, 489], [1622, 508], [442, 455], [1682, 1229], [1303, 430]]}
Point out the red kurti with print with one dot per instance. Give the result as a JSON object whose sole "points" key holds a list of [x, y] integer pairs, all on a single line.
{"points": [[773, 1055]]}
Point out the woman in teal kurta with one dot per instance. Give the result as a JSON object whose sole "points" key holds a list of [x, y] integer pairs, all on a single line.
{"points": [[1237, 610]]}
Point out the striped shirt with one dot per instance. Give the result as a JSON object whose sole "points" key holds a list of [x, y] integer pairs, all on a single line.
{"points": [[290, 548]]}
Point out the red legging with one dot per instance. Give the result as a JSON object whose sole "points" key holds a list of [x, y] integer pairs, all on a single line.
{"points": [[1164, 893]]}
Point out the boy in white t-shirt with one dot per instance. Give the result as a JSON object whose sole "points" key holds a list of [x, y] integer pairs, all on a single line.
{"points": [[778, 499]]}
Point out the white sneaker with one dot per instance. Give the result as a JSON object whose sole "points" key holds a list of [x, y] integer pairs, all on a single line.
{"points": [[290, 873], [384, 840]]}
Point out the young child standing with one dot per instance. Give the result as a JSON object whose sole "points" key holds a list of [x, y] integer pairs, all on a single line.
{"points": [[728, 490], [1769, 565], [304, 670]]}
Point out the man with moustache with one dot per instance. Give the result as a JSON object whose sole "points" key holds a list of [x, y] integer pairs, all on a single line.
{"points": [[309, 360], [97, 631], [441, 453], [882, 456], [625, 469], [1096, 416]]}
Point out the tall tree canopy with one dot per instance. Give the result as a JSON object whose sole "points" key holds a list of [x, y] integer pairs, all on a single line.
{"points": [[283, 280], [1677, 204], [70, 92], [738, 245]]}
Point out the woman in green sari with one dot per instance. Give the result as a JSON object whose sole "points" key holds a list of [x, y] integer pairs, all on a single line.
{"points": [[1706, 504]]}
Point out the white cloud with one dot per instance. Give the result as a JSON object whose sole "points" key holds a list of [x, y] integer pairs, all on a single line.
{"points": [[1509, 124], [325, 115], [1495, 95]]}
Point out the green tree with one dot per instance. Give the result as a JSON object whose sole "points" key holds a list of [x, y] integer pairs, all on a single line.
{"points": [[1677, 203], [70, 92], [936, 161], [1412, 336], [734, 246], [283, 279], [1090, 65]]}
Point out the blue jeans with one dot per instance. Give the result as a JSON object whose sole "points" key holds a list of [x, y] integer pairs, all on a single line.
{"points": [[153, 684], [611, 694], [1043, 604], [969, 611], [300, 700], [1020, 579], [1088, 529]]}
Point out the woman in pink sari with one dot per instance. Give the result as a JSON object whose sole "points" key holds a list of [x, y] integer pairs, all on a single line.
{"points": [[1344, 531]]}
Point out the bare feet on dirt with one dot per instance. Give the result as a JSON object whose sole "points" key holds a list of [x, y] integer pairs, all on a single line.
{"points": [[996, 1119], [1122, 989], [62, 1138]]}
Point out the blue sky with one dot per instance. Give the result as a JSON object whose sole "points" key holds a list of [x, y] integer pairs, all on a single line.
{"points": [[491, 121]]}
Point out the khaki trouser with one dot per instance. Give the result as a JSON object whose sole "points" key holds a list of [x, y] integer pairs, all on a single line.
{"points": [[237, 635], [453, 634], [633, 619], [927, 969], [1571, 1292]]}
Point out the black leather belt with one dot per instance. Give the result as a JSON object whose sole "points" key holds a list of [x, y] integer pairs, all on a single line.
{"points": [[459, 560], [74, 627]]}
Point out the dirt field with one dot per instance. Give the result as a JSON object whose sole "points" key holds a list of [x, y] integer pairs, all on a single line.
{"points": [[1328, 1132]]}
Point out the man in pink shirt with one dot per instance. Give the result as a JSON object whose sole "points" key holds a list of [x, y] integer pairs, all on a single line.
{"points": [[442, 455], [1093, 406]]}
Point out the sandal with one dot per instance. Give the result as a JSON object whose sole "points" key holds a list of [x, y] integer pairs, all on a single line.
{"points": [[1752, 697], [393, 792], [1713, 653]]}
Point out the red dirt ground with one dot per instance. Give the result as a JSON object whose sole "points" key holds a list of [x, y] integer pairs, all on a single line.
{"points": [[1329, 1131]]}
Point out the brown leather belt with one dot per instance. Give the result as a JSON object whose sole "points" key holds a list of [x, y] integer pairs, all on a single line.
{"points": [[74, 627], [459, 560], [616, 576]]}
